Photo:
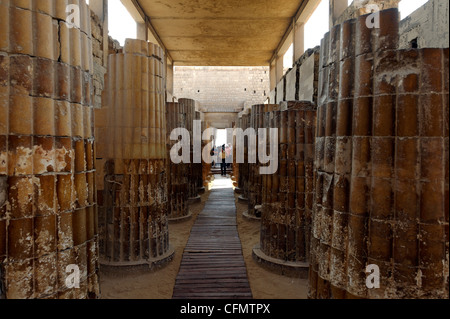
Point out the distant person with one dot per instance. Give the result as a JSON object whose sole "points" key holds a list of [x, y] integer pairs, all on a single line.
{"points": [[223, 166]]}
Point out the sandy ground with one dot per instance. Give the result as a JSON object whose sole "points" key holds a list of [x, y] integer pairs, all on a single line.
{"points": [[159, 284]]}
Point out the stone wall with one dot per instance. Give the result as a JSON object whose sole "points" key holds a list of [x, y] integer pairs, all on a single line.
{"points": [[427, 27], [97, 51], [114, 46], [281, 90], [222, 88], [302, 79], [300, 83]]}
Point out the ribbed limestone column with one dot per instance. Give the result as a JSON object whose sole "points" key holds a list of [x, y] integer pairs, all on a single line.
{"points": [[381, 166], [288, 193], [237, 166], [48, 213], [194, 169], [178, 174], [133, 220], [244, 167], [199, 167], [254, 178], [235, 174]]}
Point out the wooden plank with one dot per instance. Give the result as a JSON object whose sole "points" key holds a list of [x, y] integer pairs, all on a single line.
{"points": [[210, 256], [212, 290], [208, 281], [225, 254], [216, 273], [204, 264], [214, 284], [212, 265], [207, 270], [201, 265], [200, 276]]}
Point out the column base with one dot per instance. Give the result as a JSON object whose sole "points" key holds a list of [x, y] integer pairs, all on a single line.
{"points": [[281, 267], [181, 219], [242, 199], [194, 200], [238, 190], [149, 265], [249, 216]]}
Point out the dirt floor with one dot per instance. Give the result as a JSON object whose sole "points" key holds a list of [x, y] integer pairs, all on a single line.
{"points": [[159, 284]]}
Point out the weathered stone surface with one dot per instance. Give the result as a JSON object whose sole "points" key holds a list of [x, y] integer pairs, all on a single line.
{"points": [[287, 194], [99, 69], [133, 221], [301, 82], [273, 96], [307, 90], [375, 203], [224, 88], [178, 174], [292, 84], [3, 190], [281, 90], [427, 27], [255, 179], [362, 7], [46, 152]]}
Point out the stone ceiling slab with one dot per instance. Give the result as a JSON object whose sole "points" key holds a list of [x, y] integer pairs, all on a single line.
{"points": [[220, 32]]}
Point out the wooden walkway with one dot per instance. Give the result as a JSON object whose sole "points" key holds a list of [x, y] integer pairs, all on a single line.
{"points": [[213, 266]]}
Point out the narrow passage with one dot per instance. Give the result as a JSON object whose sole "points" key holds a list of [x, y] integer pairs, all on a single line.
{"points": [[213, 266]]}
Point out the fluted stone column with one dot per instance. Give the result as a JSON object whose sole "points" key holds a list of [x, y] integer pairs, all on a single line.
{"points": [[48, 211]]}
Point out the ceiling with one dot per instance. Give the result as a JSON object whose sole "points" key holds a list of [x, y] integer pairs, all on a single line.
{"points": [[219, 32]]}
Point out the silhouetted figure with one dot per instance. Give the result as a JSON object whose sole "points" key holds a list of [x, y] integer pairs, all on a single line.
{"points": [[223, 166]]}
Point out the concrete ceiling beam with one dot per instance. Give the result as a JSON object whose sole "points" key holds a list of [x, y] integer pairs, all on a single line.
{"points": [[186, 28]]}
